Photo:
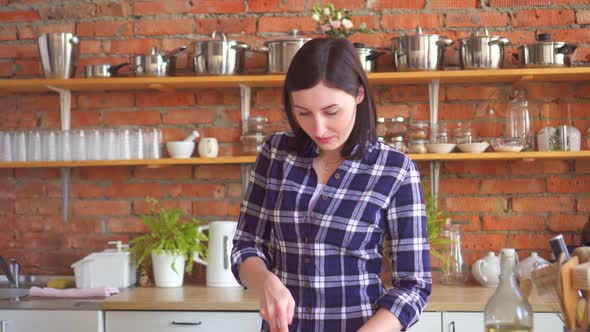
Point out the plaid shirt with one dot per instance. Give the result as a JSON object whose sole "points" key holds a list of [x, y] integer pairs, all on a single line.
{"points": [[331, 259]]}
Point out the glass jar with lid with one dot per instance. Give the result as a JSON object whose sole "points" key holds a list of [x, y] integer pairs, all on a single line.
{"points": [[399, 143], [391, 127], [417, 145], [439, 133], [418, 129], [254, 135]]}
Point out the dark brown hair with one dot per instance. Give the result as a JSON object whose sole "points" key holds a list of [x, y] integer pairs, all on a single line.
{"points": [[334, 62]]}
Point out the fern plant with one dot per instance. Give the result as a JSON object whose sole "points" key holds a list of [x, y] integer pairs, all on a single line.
{"points": [[168, 231]]}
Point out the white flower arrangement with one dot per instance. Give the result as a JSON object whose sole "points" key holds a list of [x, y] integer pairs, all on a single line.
{"points": [[335, 23]]}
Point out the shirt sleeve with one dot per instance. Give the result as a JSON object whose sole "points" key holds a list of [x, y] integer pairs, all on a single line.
{"points": [[253, 231], [409, 250]]}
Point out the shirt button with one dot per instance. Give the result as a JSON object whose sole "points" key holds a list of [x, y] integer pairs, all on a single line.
{"points": [[307, 284], [307, 260], [337, 175], [308, 308], [324, 197], [306, 240]]}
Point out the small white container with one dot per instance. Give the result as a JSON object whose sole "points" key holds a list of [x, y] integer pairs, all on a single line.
{"points": [[109, 268]]}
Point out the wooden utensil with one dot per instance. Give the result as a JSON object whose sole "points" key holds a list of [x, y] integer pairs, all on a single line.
{"points": [[581, 281], [569, 293]]}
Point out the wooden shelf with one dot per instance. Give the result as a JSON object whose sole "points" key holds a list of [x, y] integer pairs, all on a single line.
{"points": [[153, 163], [203, 82]]}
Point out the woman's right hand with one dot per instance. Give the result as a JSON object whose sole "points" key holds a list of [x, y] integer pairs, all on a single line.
{"points": [[277, 305]]}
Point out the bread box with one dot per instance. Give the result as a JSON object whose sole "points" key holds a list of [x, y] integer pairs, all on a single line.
{"points": [[109, 268]]}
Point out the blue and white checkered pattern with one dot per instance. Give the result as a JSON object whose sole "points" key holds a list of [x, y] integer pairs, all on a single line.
{"points": [[331, 259]]}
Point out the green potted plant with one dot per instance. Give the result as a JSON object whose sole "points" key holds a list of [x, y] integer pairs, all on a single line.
{"points": [[171, 243], [435, 223]]}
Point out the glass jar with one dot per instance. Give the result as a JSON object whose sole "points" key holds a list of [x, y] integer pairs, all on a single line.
{"points": [[398, 143], [418, 129], [417, 146], [391, 127], [255, 134], [454, 270], [439, 133], [463, 133]]}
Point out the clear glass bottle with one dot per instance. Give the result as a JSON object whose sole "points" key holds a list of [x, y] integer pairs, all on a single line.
{"points": [[454, 269], [518, 120], [508, 310]]}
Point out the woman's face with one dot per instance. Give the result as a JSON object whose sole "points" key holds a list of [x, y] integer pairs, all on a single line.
{"points": [[326, 115]]}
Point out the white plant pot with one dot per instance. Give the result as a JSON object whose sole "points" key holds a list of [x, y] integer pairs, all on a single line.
{"points": [[164, 275]]}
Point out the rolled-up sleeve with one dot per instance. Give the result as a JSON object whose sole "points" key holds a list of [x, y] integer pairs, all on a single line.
{"points": [[253, 231], [409, 250]]}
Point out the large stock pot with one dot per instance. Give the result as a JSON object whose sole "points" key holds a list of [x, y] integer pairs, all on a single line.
{"points": [[419, 52]]}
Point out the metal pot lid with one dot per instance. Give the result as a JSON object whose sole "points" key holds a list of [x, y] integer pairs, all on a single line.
{"points": [[545, 39], [292, 37], [419, 33], [481, 33], [219, 37]]}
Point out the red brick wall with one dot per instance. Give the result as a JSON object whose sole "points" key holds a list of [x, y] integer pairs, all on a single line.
{"points": [[517, 204]]}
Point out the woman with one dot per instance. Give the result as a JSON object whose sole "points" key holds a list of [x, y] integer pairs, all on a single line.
{"points": [[322, 200]]}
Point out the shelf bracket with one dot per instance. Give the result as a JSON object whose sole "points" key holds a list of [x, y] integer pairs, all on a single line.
{"points": [[433, 90], [245, 95], [161, 87], [65, 106], [434, 179]]}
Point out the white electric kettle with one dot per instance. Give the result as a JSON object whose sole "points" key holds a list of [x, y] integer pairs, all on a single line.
{"points": [[221, 235]]}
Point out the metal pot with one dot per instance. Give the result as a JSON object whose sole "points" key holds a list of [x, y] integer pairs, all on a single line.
{"points": [[419, 52], [157, 63], [482, 51], [103, 70], [545, 53], [219, 56], [281, 51], [368, 57], [59, 54]]}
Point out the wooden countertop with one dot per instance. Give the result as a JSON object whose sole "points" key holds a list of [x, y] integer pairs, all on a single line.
{"points": [[443, 298]]}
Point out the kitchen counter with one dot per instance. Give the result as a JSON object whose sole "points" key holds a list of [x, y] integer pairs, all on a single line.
{"points": [[444, 298]]}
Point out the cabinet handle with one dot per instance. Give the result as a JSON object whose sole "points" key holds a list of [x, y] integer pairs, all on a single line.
{"points": [[3, 326], [173, 323], [452, 325]]}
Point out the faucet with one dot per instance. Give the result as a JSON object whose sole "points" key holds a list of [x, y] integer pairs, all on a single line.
{"points": [[12, 273]]}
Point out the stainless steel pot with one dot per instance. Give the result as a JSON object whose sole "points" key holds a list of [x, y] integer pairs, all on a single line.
{"points": [[419, 52], [281, 51], [482, 51], [103, 70], [59, 54], [545, 53], [219, 56], [157, 63], [368, 57]]}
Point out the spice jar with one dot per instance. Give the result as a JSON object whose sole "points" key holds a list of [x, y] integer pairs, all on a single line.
{"points": [[418, 129], [398, 143], [255, 134], [417, 146], [439, 133], [391, 127]]}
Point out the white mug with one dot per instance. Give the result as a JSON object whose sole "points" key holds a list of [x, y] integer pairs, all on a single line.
{"points": [[208, 147]]}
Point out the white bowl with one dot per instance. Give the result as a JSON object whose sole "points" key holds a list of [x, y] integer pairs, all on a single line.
{"points": [[180, 149], [507, 144], [440, 147], [473, 147]]}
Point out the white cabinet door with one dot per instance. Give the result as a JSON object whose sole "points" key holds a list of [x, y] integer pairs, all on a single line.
{"points": [[547, 322], [51, 320], [462, 321], [429, 322], [177, 321]]}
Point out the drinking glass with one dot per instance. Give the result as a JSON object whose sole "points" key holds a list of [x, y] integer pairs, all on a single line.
{"points": [[109, 144], [64, 145], [34, 145], [49, 145], [19, 145], [153, 139], [93, 144], [124, 143], [78, 138], [5, 146]]}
